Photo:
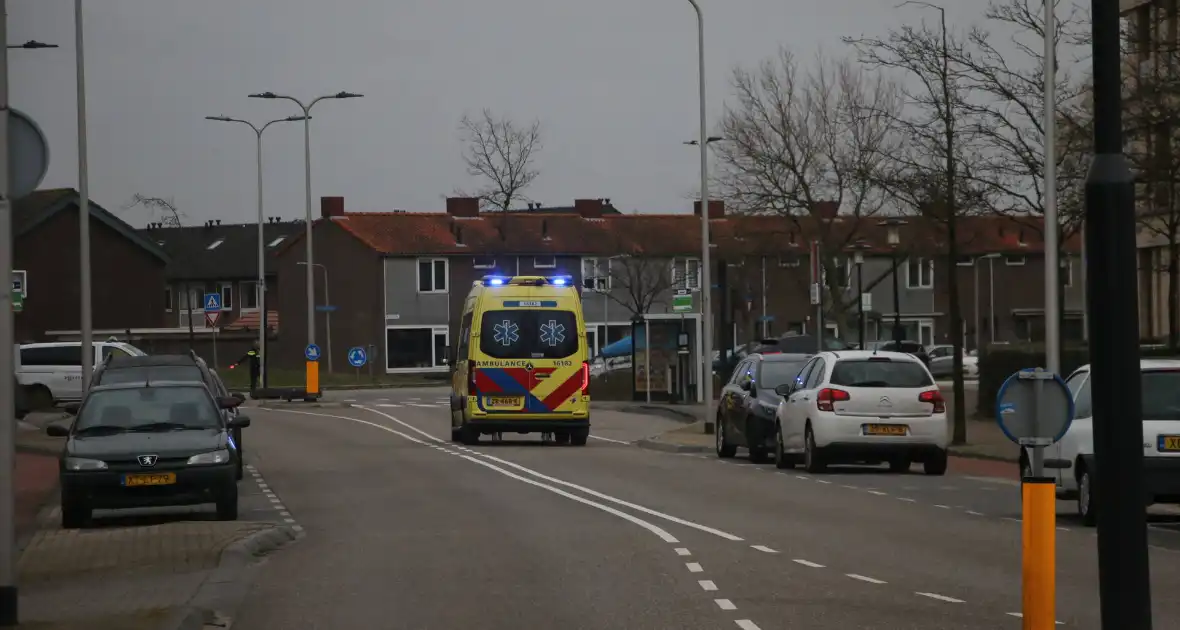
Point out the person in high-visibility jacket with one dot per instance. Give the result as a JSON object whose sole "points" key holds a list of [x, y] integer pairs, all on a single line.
{"points": [[254, 356]]}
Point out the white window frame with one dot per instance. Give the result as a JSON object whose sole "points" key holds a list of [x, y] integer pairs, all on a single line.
{"points": [[226, 289], [432, 262], [475, 262], [789, 261], [1015, 261], [923, 264], [169, 299], [244, 289], [600, 281], [1067, 270], [678, 270], [436, 361], [537, 264], [926, 324], [969, 262]]}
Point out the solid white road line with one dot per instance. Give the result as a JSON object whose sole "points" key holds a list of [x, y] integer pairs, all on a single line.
{"points": [[763, 548], [725, 604], [1021, 616], [807, 563], [865, 578], [694, 567], [746, 624], [610, 440], [708, 585], [560, 482], [651, 527], [943, 598]]}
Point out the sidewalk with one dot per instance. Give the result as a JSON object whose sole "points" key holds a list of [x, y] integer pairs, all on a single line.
{"points": [[683, 413]]}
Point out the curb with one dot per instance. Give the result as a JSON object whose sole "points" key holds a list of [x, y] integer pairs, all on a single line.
{"points": [[221, 595], [668, 447], [299, 405], [659, 410], [954, 452]]}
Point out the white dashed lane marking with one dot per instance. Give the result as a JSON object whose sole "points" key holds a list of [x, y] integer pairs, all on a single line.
{"points": [[763, 548], [746, 624], [1021, 616], [275, 502], [807, 563], [725, 604], [943, 598], [694, 567], [681, 551], [865, 578], [708, 585]]}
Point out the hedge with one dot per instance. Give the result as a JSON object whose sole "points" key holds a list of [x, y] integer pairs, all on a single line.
{"points": [[999, 362]]}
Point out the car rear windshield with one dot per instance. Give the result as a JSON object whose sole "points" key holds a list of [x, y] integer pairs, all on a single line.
{"points": [[148, 373], [1161, 395], [528, 334], [775, 373], [133, 407], [880, 372]]}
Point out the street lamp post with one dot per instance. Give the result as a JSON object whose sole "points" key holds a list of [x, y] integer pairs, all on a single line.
{"points": [[86, 327], [706, 276], [32, 44], [858, 258], [327, 313], [261, 290], [892, 227], [307, 190], [991, 298]]}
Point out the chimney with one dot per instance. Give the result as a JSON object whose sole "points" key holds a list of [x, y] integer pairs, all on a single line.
{"points": [[716, 208], [331, 207], [826, 209], [544, 230], [458, 235], [463, 206], [588, 208]]}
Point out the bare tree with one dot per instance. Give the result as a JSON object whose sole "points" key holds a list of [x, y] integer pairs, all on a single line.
{"points": [[638, 282], [928, 174], [163, 208], [502, 153], [801, 144]]}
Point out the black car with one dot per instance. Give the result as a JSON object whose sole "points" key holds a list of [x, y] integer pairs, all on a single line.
{"points": [[747, 410], [145, 445], [166, 367]]}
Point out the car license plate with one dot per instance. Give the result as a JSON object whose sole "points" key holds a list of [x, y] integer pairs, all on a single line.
{"points": [[159, 479], [1170, 442], [504, 402], [886, 429]]}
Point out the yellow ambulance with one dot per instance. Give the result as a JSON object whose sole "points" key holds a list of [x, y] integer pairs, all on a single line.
{"points": [[520, 364]]}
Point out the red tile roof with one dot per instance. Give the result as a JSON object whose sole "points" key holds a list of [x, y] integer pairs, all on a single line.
{"points": [[408, 233], [249, 321]]}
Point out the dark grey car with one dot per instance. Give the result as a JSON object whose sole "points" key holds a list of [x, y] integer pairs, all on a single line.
{"points": [[748, 407]]}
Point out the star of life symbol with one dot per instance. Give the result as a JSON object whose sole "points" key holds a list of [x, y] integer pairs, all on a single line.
{"points": [[552, 333], [506, 333]]}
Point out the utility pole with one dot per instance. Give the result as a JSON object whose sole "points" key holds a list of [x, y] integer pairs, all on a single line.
{"points": [[8, 590]]}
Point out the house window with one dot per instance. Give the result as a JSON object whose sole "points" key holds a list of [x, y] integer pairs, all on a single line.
{"points": [[484, 262], [919, 273], [843, 275], [193, 304], [249, 295], [227, 296], [1014, 261], [415, 348], [686, 273], [788, 261], [1066, 271], [544, 262], [596, 274], [168, 298], [965, 261], [432, 275]]}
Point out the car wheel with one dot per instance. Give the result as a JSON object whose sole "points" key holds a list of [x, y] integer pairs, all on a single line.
{"points": [[899, 464], [239, 472], [758, 454], [813, 461], [781, 459], [1086, 499], [725, 450], [578, 437], [227, 504], [39, 398], [935, 465], [74, 514], [468, 435]]}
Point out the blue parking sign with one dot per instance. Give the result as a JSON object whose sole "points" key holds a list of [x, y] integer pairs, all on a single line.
{"points": [[357, 357]]}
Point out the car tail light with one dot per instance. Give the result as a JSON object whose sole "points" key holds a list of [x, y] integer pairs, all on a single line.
{"points": [[828, 396], [935, 398], [471, 391], [585, 378]]}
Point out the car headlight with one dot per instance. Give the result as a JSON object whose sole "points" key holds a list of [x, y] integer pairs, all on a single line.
{"points": [[771, 409], [80, 463], [212, 457]]}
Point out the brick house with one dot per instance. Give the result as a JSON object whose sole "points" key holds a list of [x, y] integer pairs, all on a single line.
{"points": [[407, 274]]}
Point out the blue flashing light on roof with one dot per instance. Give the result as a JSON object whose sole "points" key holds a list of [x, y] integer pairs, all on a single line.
{"points": [[495, 282], [559, 281]]}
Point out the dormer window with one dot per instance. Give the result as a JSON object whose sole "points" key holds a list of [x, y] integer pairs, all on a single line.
{"points": [[215, 244]]}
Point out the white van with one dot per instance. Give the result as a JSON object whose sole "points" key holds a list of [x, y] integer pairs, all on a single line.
{"points": [[52, 372]]}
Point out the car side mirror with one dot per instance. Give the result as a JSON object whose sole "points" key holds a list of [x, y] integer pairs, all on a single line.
{"points": [[239, 395], [229, 402], [56, 430], [746, 385], [72, 408], [784, 390], [239, 422]]}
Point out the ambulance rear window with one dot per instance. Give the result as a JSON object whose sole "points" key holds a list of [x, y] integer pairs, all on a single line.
{"points": [[528, 334]]}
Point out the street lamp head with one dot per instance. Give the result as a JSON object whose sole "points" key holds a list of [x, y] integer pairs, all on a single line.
{"points": [[296, 118], [347, 95], [264, 95], [892, 227], [219, 118], [714, 139], [33, 44]]}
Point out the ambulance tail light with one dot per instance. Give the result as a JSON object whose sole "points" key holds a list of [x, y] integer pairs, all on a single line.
{"points": [[471, 390], [585, 378]]}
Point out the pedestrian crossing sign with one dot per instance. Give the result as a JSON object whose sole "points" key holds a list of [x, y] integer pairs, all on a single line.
{"points": [[212, 301]]}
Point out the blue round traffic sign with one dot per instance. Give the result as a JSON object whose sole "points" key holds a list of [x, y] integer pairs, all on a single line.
{"points": [[312, 352], [357, 356], [1034, 407]]}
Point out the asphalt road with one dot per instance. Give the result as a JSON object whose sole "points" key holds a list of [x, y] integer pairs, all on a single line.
{"points": [[406, 530]]}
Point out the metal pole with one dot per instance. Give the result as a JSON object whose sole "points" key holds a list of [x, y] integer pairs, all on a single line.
{"points": [[8, 589], [310, 254], [860, 303], [647, 360], [1052, 229], [260, 290], [1085, 290], [978, 332], [765, 322], [991, 297], [1124, 582], [898, 331], [705, 273], [327, 316], [83, 206]]}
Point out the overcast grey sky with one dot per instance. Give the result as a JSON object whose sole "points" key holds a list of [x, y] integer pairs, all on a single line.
{"points": [[613, 83]]}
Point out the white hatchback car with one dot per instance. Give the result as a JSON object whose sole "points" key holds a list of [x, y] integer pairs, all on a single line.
{"points": [[1074, 453], [861, 406]]}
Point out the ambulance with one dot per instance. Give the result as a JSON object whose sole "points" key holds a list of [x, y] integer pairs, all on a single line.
{"points": [[520, 364]]}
